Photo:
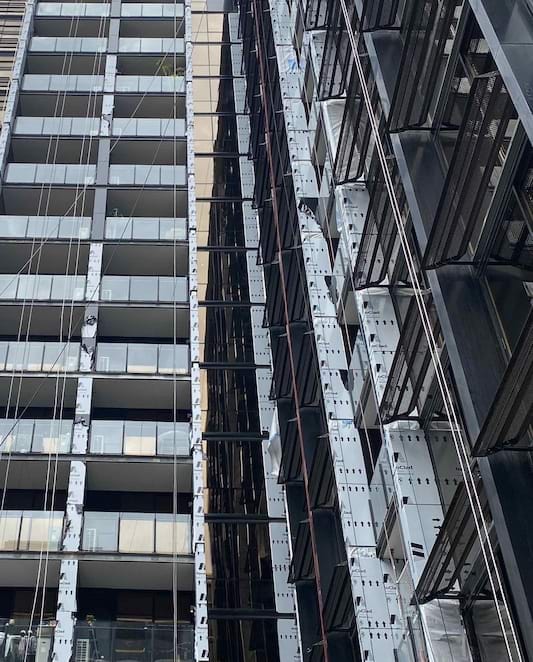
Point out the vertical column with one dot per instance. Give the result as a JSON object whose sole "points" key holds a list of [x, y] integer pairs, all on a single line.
{"points": [[201, 641], [66, 597], [67, 604]]}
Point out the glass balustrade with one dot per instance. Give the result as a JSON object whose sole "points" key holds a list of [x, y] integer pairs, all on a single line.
{"points": [[151, 10], [147, 175], [42, 287], [96, 9], [148, 438], [57, 126], [150, 45], [30, 530], [35, 436], [147, 359], [137, 533], [69, 44], [45, 227], [139, 228], [132, 642], [168, 84], [50, 173], [39, 356], [148, 126], [164, 289], [62, 83]]}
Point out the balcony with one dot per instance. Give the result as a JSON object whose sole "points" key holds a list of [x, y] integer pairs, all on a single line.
{"points": [[162, 289], [35, 435], [147, 438], [93, 9], [152, 10], [45, 227], [68, 44], [151, 45], [107, 437], [39, 356], [41, 287], [57, 126], [153, 84], [145, 228], [118, 642], [63, 83], [147, 175], [30, 530], [50, 173], [137, 533], [146, 126], [142, 359]]}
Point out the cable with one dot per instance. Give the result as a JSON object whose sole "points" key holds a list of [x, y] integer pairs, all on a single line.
{"points": [[462, 453], [52, 497]]}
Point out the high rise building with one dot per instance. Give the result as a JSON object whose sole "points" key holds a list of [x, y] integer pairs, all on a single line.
{"points": [[266, 332]]}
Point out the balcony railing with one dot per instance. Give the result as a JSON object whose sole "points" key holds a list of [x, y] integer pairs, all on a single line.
{"points": [[151, 10], [45, 227], [152, 84], [141, 228], [39, 356], [136, 533], [150, 45], [148, 175], [57, 126], [50, 173], [143, 358], [162, 289], [62, 83], [118, 642], [93, 9], [35, 435], [69, 44], [30, 530], [148, 126], [148, 438], [42, 287], [124, 533]]}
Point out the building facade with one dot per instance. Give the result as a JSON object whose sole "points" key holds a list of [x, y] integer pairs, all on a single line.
{"points": [[266, 332]]}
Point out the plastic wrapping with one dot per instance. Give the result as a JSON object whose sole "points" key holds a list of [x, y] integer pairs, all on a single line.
{"points": [[444, 627], [274, 446]]}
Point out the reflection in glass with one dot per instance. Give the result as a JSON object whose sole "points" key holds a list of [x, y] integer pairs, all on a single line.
{"points": [[171, 538], [52, 436], [136, 533], [142, 359], [40, 530], [10, 529], [111, 357], [106, 437], [139, 438], [100, 532]]}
